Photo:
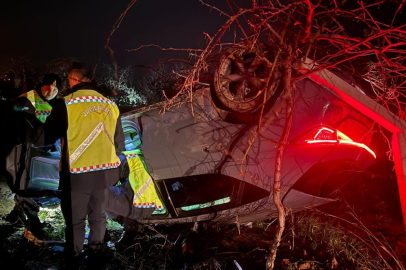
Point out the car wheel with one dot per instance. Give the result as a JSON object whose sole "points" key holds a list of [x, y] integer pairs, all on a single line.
{"points": [[241, 77]]}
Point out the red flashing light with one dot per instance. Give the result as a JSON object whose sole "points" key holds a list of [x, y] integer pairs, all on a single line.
{"points": [[324, 134], [328, 136]]}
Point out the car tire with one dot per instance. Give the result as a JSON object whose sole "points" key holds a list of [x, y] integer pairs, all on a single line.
{"points": [[241, 76]]}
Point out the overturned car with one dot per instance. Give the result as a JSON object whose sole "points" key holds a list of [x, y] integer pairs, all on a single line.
{"points": [[204, 164]]}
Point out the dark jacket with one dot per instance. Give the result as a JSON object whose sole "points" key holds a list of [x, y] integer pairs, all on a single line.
{"points": [[56, 126]]}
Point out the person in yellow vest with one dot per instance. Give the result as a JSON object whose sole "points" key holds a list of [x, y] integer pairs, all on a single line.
{"points": [[31, 106], [137, 197], [92, 137], [38, 101]]}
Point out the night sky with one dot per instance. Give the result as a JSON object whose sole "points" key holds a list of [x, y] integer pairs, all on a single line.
{"points": [[46, 30]]}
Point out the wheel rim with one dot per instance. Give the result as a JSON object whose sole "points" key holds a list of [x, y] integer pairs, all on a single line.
{"points": [[242, 76]]}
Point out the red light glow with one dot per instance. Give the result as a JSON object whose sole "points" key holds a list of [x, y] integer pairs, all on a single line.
{"points": [[326, 136]]}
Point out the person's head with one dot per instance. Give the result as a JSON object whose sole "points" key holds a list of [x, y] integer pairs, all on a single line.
{"points": [[79, 73], [50, 86]]}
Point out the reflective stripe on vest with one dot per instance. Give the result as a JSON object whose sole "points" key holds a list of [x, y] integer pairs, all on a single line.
{"points": [[92, 120], [42, 108], [145, 195]]}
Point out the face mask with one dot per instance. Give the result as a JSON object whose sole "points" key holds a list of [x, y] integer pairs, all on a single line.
{"points": [[49, 91]]}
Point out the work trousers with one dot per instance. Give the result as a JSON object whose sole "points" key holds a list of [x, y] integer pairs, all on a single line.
{"points": [[121, 203], [76, 206]]}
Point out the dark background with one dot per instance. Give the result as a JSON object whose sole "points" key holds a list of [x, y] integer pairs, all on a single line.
{"points": [[45, 30]]}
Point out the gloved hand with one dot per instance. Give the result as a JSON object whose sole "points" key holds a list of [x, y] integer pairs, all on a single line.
{"points": [[19, 108], [22, 104]]}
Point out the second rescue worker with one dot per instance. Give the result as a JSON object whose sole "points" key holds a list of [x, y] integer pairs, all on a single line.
{"points": [[41, 98], [92, 137], [36, 103]]}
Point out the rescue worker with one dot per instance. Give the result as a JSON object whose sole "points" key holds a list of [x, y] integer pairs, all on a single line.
{"points": [[38, 101], [90, 129], [137, 197], [33, 103]]}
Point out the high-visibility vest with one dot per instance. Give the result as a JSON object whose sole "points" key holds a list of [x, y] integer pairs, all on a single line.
{"points": [[42, 107], [92, 120], [145, 195]]}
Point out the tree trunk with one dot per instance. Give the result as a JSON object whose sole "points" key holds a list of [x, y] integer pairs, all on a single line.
{"points": [[276, 192]]}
